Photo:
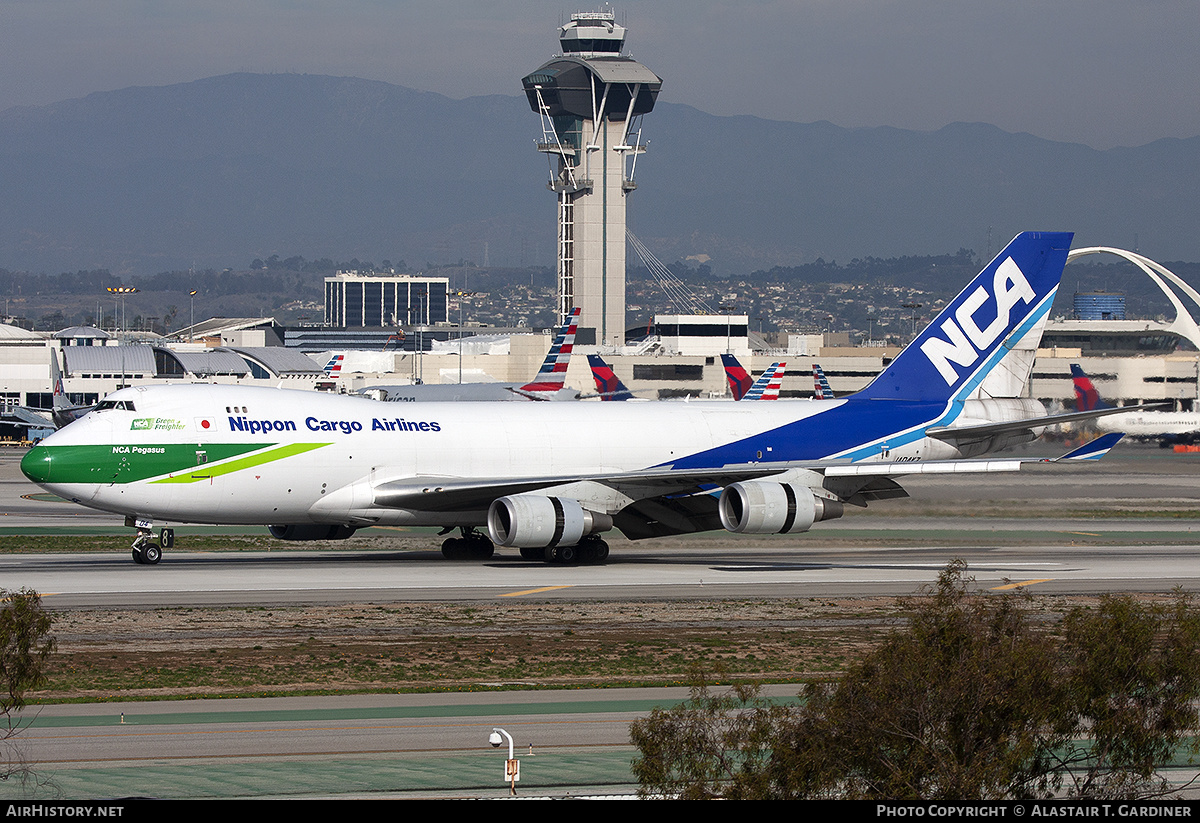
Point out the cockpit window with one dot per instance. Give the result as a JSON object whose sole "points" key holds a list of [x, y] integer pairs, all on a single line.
{"points": [[121, 405]]}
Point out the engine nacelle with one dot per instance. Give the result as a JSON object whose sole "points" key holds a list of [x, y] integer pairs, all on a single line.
{"points": [[767, 507], [533, 521], [310, 532]]}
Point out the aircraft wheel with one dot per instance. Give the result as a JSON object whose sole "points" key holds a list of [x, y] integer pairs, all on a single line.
{"points": [[593, 550], [151, 554], [528, 553], [452, 549], [567, 554], [482, 549], [137, 557]]}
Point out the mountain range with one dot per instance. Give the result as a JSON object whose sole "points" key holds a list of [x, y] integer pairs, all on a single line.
{"points": [[218, 171]]}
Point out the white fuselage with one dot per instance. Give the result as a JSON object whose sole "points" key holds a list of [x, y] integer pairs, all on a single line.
{"points": [[226, 454]]}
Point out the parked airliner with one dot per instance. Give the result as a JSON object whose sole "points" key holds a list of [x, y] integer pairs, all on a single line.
{"points": [[821, 390], [608, 385], [548, 384], [766, 387], [1167, 427], [550, 478], [61, 412]]}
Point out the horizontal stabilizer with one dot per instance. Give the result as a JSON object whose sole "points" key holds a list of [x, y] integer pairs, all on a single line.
{"points": [[1095, 449]]}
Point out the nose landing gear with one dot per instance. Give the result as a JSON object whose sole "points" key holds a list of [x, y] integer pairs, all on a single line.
{"points": [[145, 551]]}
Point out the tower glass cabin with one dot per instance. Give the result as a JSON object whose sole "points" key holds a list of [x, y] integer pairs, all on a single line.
{"points": [[591, 98]]}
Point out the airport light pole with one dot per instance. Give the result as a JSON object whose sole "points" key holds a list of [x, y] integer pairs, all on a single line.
{"points": [[192, 325], [120, 293], [419, 343], [913, 316], [461, 296], [727, 308]]}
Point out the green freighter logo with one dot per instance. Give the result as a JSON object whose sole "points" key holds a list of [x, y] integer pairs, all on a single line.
{"points": [[156, 424]]}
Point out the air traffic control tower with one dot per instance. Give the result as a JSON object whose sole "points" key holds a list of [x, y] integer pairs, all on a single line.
{"points": [[591, 98]]}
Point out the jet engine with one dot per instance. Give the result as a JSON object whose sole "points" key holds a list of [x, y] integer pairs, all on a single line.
{"points": [[313, 532], [532, 521], [766, 507]]}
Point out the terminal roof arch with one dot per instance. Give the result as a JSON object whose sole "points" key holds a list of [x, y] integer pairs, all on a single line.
{"points": [[1184, 324]]}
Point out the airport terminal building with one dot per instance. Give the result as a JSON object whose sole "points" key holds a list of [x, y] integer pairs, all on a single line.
{"points": [[354, 300]]}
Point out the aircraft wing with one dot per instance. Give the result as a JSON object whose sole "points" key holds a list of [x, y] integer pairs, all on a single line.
{"points": [[22, 416], [450, 494], [1092, 450], [657, 502], [951, 433]]}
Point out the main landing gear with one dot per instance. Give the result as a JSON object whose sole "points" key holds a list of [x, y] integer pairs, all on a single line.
{"points": [[471, 546], [145, 551], [591, 550]]}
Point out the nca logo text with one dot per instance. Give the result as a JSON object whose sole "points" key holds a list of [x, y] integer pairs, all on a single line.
{"points": [[964, 339]]}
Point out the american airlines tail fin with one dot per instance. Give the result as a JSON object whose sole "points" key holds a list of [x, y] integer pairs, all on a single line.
{"points": [[739, 379], [58, 393], [821, 390], [553, 374], [983, 343], [766, 387], [1087, 398], [62, 410], [608, 385], [333, 368], [745, 387]]}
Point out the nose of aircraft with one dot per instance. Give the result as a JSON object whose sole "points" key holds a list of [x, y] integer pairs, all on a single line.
{"points": [[36, 464]]}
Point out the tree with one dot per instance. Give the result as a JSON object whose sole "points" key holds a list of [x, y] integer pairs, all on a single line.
{"points": [[1131, 683], [954, 706], [25, 646], [697, 749], [972, 699]]}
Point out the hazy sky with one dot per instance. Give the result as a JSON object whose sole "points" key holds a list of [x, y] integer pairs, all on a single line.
{"points": [[1101, 72]]}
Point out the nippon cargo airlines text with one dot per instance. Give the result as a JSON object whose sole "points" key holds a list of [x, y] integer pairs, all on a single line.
{"points": [[242, 424]]}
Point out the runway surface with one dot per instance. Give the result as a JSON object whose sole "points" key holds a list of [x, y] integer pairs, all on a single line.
{"points": [[573, 743], [1009, 527], [267, 578]]}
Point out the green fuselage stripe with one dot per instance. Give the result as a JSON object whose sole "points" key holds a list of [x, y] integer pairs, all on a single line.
{"points": [[207, 472], [168, 462]]}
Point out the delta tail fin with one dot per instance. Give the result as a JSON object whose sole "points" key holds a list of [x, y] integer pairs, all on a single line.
{"points": [[983, 344], [608, 385], [739, 379], [1087, 397]]}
